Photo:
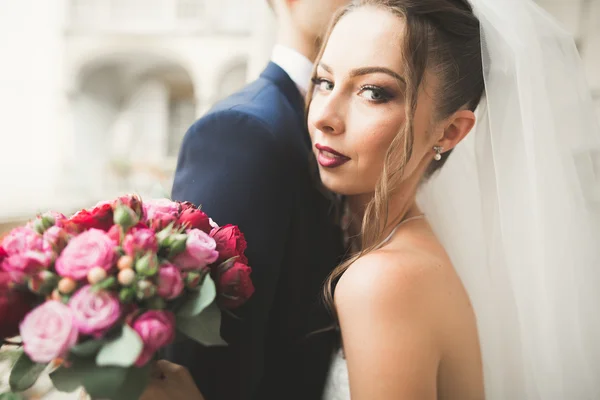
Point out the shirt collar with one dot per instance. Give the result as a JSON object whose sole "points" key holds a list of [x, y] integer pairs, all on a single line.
{"points": [[298, 67]]}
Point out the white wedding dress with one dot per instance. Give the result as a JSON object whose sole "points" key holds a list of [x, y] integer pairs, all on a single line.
{"points": [[338, 383]]}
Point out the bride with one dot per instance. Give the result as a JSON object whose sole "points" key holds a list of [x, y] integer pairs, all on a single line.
{"points": [[475, 280]]}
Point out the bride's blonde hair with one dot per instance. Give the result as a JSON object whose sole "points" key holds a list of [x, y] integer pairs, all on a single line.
{"points": [[441, 36]]}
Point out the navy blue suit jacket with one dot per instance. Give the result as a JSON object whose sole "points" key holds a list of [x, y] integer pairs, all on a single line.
{"points": [[247, 163]]}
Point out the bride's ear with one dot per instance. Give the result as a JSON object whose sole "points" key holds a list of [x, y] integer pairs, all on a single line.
{"points": [[458, 126]]}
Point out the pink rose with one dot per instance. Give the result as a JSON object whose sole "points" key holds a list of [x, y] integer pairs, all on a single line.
{"points": [[24, 253], [22, 239], [170, 281], [48, 332], [155, 207], [140, 241], [26, 263], [94, 311], [156, 329], [93, 248], [55, 239], [200, 250]]}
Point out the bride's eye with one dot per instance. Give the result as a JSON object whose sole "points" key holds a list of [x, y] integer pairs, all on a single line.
{"points": [[374, 94], [323, 84]]}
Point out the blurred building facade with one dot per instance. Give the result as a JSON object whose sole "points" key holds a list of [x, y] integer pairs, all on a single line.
{"points": [[96, 95]]}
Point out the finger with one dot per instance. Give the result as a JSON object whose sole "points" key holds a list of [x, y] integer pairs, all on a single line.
{"points": [[156, 371], [168, 368]]}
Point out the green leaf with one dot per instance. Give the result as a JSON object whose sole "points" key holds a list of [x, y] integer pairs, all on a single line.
{"points": [[25, 373], [88, 348], [104, 382], [200, 299], [135, 383], [122, 351], [204, 328], [71, 378], [10, 396], [117, 383]]}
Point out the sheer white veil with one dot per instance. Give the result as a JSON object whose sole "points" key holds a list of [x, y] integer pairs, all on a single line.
{"points": [[517, 207]]}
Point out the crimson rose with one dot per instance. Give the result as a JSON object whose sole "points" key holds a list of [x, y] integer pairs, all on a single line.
{"points": [[193, 218], [230, 243], [14, 305], [100, 217], [234, 285]]}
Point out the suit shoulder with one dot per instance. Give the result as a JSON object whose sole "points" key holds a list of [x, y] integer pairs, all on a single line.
{"points": [[263, 101]]}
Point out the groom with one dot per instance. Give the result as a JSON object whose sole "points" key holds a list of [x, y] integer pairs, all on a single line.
{"points": [[247, 163]]}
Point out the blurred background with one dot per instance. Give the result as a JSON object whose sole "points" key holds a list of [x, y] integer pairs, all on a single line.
{"points": [[96, 95]]}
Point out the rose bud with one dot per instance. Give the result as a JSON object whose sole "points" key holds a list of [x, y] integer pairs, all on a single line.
{"points": [[125, 217], [193, 218], [145, 289], [94, 311], [193, 279], [133, 202], [156, 329], [96, 275], [55, 239], [67, 285], [230, 243], [147, 265], [170, 282], [177, 244], [125, 262], [186, 205], [234, 285], [90, 249], [126, 277], [200, 251]]}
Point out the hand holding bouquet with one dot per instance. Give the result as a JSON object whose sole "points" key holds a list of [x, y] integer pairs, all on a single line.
{"points": [[99, 293]]}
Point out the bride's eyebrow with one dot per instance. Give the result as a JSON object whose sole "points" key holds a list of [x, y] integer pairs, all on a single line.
{"points": [[368, 70]]}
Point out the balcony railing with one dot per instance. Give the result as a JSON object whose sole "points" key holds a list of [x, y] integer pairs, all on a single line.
{"points": [[159, 16]]}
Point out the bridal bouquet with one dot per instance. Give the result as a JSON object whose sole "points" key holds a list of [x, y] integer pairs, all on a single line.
{"points": [[96, 295]]}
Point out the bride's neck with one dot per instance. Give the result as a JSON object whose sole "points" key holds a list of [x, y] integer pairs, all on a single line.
{"points": [[400, 208]]}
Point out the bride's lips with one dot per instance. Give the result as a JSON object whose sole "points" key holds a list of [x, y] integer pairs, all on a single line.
{"points": [[329, 158]]}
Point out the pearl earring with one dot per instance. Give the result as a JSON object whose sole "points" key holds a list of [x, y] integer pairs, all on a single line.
{"points": [[438, 153]]}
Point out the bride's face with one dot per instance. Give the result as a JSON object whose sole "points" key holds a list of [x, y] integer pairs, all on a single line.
{"points": [[358, 103]]}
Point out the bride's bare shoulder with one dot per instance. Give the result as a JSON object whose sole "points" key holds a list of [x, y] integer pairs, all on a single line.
{"points": [[390, 280]]}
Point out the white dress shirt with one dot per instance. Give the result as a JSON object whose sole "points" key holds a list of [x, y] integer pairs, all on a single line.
{"points": [[298, 67]]}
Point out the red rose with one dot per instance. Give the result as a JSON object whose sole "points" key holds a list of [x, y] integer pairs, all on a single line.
{"points": [[234, 286], [193, 218], [230, 243], [14, 305], [100, 217]]}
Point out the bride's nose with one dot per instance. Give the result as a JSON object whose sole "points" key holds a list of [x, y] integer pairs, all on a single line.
{"points": [[327, 115]]}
